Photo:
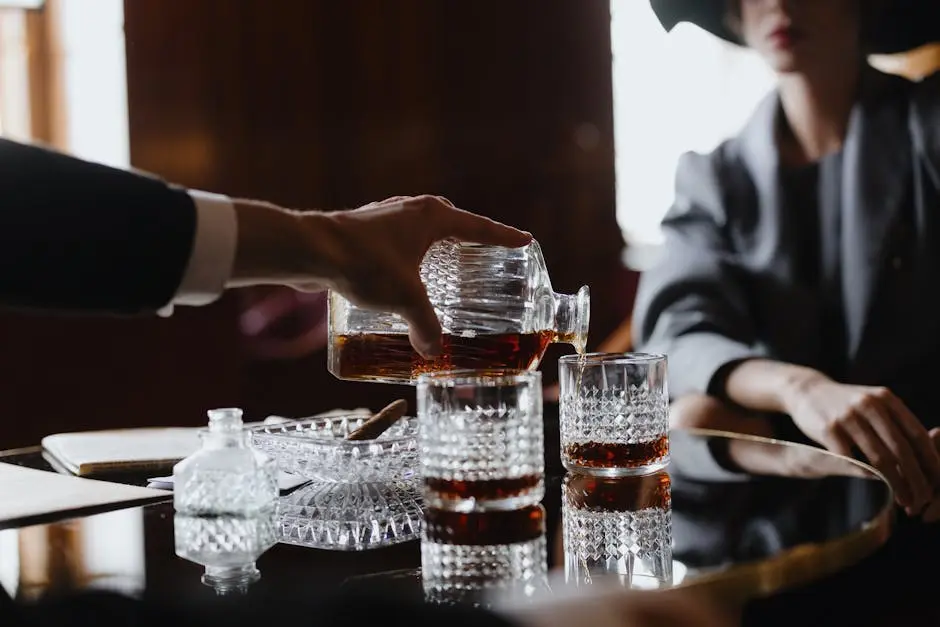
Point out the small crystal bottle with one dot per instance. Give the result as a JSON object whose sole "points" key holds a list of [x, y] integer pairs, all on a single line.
{"points": [[227, 476]]}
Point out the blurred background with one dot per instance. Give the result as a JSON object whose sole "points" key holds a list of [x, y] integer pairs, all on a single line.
{"points": [[563, 117]]}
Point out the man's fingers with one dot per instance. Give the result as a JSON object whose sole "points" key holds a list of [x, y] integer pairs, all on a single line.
{"points": [[469, 227], [390, 199], [424, 329]]}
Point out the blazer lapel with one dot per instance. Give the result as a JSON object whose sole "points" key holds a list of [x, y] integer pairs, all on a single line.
{"points": [[760, 158], [876, 176]]}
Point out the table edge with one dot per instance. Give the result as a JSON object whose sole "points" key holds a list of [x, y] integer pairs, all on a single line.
{"points": [[802, 564]]}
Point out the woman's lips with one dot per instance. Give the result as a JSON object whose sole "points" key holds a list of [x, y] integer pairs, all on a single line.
{"points": [[784, 37]]}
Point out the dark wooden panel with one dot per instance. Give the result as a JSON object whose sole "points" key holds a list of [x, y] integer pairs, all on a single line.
{"points": [[504, 107], [69, 373]]}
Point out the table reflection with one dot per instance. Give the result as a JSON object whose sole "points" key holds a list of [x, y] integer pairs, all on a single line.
{"points": [[227, 546], [467, 557], [618, 528], [100, 552], [742, 502]]}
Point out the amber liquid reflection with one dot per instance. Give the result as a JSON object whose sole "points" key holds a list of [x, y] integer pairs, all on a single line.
{"points": [[485, 528], [618, 455], [626, 494], [465, 557]]}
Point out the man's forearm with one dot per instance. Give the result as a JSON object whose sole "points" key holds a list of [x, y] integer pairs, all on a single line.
{"points": [[274, 247], [765, 385]]}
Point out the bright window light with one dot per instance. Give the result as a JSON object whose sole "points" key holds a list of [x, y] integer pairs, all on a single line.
{"points": [[673, 92]]}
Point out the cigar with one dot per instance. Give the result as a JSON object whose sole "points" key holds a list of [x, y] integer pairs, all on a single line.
{"points": [[377, 424]]}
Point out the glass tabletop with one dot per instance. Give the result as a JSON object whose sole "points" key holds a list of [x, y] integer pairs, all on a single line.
{"points": [[744, 515]]}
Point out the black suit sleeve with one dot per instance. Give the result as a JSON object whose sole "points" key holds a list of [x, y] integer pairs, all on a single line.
{"points": [[79, 236]]}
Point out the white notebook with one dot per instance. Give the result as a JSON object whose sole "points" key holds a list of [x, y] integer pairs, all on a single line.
{"points": [[131, 450]]}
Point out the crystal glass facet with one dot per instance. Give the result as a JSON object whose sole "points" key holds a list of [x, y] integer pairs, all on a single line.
{"points": [[614, 411], [318, 449], [467, 556], [227, 476], [365, 493], [496, 306], [482, 438], [618, 528], [228, 546], [351, 516]]}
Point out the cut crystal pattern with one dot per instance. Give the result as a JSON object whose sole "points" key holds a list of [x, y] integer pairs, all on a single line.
{"points": [[616, 414], [464, 574], [351, 516], [317, 449], [482, 443], [635, 547]]}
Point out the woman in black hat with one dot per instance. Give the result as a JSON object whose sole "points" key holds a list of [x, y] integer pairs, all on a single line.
{"points": [[799, 292]]}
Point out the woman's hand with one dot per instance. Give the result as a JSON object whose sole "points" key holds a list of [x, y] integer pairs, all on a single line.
{"points": [[874, 421]]}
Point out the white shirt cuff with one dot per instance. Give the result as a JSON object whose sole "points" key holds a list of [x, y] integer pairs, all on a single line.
{"points": [[213, 253]]}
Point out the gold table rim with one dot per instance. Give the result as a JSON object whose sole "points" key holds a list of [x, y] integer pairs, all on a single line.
{"points": [[801, 564]]}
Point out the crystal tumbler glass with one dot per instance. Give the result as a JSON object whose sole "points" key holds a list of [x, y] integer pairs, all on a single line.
{"points": [[481, 439], [614, 411]]}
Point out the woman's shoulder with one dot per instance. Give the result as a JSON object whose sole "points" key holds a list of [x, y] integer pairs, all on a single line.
{"points": [[734, 157], [723, 178], [701, 183], [712, 169]]}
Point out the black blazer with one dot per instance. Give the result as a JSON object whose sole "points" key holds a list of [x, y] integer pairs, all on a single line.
{"points": [[726, 288], [79, 236]]}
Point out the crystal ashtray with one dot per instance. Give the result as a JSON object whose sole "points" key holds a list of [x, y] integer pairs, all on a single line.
{"points": [[351, 516], [317, 449]]}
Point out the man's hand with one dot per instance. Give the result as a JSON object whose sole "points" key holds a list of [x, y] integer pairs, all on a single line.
{"points": [[877, 423], [374, 254], [932, 512], [370, 255]]}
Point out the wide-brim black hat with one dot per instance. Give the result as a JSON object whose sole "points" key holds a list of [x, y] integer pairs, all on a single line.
{"points": [[902, 25]]}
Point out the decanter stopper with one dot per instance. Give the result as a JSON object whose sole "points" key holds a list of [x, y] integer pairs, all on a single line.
{"points": [[225, 420]]}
